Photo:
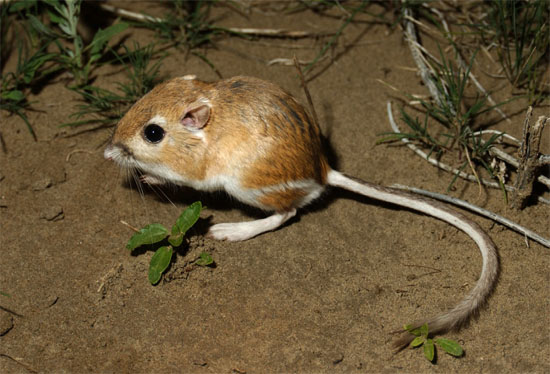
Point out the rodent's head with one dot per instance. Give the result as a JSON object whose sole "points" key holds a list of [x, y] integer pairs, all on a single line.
{"points": [[163, 133]]}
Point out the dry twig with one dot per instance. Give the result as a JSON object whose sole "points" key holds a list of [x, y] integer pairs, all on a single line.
{"points": [[434, 161], [306, 90], [129, 226], [410, 33], [471, 76], [27, 367], [279, 33], [529, 159], [484, 212], [444, 166], [290, 61], [500, 154]]}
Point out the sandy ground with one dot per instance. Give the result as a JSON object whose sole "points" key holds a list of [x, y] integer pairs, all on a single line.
{"points": [[321, 294]]}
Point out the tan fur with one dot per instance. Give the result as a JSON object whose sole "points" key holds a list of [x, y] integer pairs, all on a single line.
{"points": [[282, 201], [257, 133]]}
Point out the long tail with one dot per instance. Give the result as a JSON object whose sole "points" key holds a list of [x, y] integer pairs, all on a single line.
{"points": [[457, 316]]}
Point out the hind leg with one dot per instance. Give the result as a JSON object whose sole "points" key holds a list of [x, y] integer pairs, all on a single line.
{"points": [[238, 231]]}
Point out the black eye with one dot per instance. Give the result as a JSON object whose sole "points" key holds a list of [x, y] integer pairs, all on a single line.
{"points": [[153, 133]]}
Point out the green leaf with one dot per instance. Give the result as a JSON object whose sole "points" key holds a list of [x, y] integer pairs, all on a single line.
{"points": [[159, 263], [34, 64], [418, 341], [414, 331], [55, 18], [424, 330], [450, 346], [17, 6], [102, 37], [175, 240], [52, 3], [429, 349], [204, 260], [14, 95], [4, 294], [67, 29], [150, 234], [39, 26], [187, 219]]}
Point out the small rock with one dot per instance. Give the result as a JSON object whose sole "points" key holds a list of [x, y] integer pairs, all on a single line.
{"points": [[42, 184], [53, 213], [337, 358], [6, 322], [52, 300]]}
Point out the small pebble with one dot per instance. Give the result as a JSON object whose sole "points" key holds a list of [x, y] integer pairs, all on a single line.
{"points": [[53, 213], [337, 358], [42, 184]]}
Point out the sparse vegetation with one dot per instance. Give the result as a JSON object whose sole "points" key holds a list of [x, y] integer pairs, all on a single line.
{"points": [[77, 58], [47, 47], [156, 234], [454, 113], [520, 31], [424, 340], [515, 28]]}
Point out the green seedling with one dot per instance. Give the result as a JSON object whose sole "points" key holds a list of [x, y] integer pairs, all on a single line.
{"points": [[15, 85], [429, 345], [204, 260], [156, 233], [77, 58], [33, 64]]}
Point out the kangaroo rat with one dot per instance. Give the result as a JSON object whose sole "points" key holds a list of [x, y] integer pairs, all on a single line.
{"points": [[253, 140]]}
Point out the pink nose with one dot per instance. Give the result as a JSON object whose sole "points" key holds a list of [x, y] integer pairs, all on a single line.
{"points": [[108, 152]]}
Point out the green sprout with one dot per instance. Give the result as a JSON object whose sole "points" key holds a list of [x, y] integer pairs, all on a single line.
{"points": [[422, 339], [33, 64], [156, 233], [78, 58]]}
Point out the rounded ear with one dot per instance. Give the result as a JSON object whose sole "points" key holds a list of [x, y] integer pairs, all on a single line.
{"points": [[196, 115]]}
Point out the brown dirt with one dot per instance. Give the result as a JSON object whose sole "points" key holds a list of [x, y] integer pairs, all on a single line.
{"points": [[321, 294]]}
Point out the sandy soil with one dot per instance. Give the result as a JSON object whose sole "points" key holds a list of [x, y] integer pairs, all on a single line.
{"points": [[321, 294]]}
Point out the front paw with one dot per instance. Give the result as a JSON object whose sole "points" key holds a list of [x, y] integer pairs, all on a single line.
{"points": [[150, 180]]}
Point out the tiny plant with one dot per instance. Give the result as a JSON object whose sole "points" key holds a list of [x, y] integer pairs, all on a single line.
{"points": [[422, 339], [76, 57], [155, 233], [33, 63], [187, 24], [15, 85]]}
